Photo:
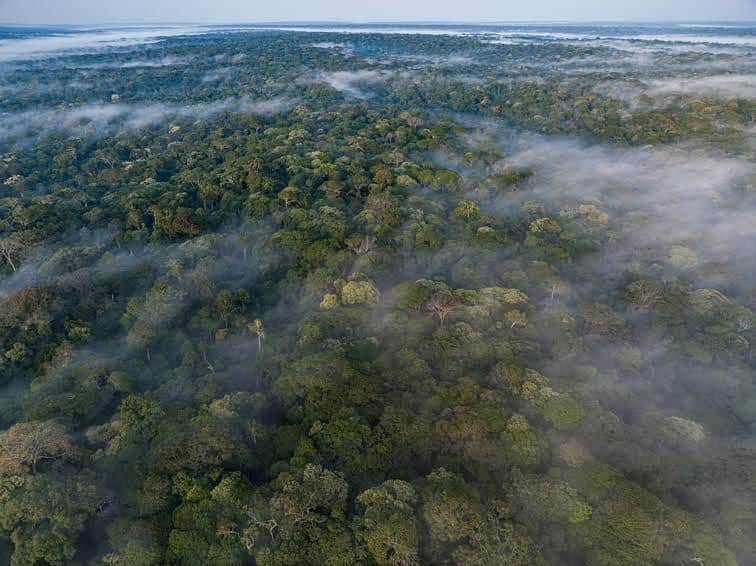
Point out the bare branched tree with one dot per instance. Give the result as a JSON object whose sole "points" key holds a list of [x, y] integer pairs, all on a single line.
{"points": [[361, 245], [256, 326], [9, 248], [441, 305], [644, 294]]}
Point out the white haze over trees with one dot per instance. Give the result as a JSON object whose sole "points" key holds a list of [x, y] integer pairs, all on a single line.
{"points": [[231, 11], [383, 294]]}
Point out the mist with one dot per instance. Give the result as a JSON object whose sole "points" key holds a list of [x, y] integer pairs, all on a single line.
{"points": [[87, 41], [392, 293], [101, 119]]}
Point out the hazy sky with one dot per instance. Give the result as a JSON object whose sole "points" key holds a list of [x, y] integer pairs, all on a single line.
{"points": [[99, 11]]}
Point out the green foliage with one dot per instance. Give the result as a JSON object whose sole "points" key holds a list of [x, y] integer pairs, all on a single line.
{"points": [[467, 211], [44, 514], [450, 508], [562, 411], [523, 446], [499, 544], [389, 527], [307, 521], [359, 292], [544, 501], [330, 301], [355, 331], [622, 533]]}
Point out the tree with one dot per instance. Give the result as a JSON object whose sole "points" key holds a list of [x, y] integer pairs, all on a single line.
{"points": [[226, 306], [361, 245], [257, 327], [359, 292], [9, 248], [161, 305], [499, 543], [44, 515], [467, 210], [450, 508], [388, 525], [524, 447], [208, 523], [643, 294], [516, 318], [26, 444], [622, 533], [544, 501], [290, 195], [602, 320], [562, 411], [330, 301], [309, 496], [441, 305], [677, 430], [304, 521]]}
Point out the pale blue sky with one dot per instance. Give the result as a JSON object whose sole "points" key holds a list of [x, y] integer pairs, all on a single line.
{"points": [[213, 11]]}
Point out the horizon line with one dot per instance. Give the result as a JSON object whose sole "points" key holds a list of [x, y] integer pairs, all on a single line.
{"points": [[375, 22]]}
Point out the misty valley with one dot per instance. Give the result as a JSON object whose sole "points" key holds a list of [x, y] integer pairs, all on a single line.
{"points": [[476, 295]]}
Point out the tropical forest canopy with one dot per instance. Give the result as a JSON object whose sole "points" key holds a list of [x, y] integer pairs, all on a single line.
{"points": [[378, 295]]}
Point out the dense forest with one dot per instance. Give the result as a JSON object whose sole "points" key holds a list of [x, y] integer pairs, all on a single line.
{"points": [[373, 296]]}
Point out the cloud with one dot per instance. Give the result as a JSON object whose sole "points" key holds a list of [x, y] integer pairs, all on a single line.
{"points": [[504, 41], [431, 60], [82, 41], [103, 118], [344, 48], [630, 41], [716, 86], [659, 196], [382, 30], [36, 88], [350, 81], [720, 86], [167, 61], [219, 74]]}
